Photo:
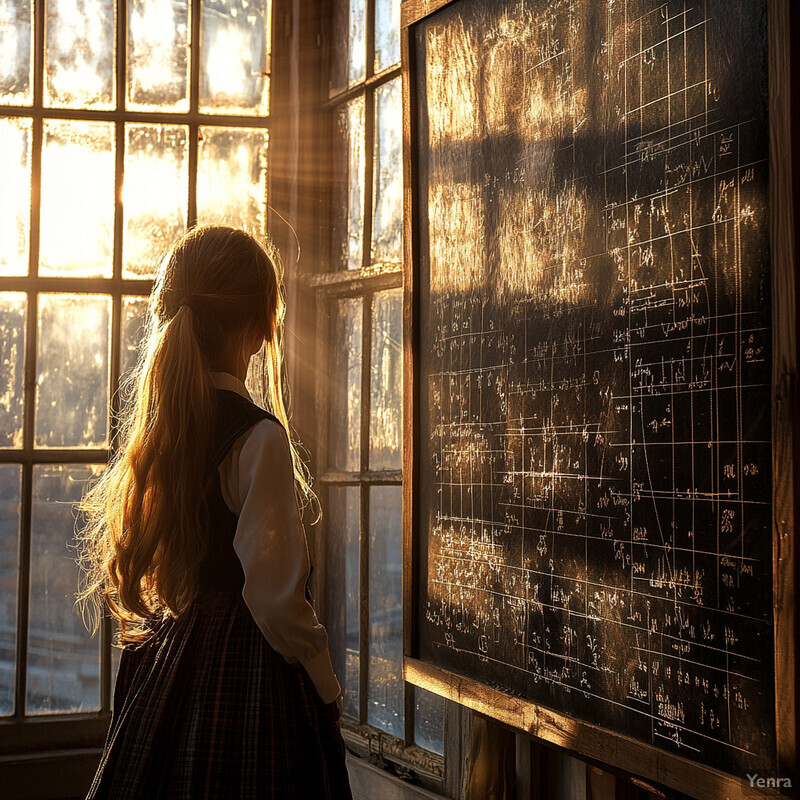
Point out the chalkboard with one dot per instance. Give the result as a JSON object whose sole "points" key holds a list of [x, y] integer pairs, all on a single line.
{"points": [[594, 285]]}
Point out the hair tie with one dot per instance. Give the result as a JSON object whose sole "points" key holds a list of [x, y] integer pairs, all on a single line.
{"points": [[187, 301]]}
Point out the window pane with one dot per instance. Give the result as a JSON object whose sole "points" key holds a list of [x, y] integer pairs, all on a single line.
{"points": [[134, 316], [387, 204], [115, 654], [428, 720], [15, 197], [158, 55], [350, 43], [72, 370], [155, 156], [10, 477], [13, 306], [342, 580], [79, 54], [16, 52], [348, 190], [386, 384], [77, 238], [345, 385], [385, 690], [232, 177], [234, 62], [63, 659], [387, 33]]}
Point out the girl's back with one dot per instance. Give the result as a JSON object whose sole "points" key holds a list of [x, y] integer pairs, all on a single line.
{"points": [[194, 541]]}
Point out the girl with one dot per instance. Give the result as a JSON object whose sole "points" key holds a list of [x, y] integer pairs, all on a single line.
{"points": [[193, 541]]}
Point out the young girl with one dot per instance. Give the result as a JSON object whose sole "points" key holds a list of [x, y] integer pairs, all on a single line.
{"points": [[194, 543]]}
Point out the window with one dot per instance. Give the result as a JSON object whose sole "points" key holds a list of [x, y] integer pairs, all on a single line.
{"points": [[121, 125], [360, 299]]}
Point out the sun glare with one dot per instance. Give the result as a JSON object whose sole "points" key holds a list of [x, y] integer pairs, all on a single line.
{"points": [[15, 198], [77, 208]]}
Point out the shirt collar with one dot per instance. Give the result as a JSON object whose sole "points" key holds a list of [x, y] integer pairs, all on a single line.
{"points": [[227, 380]]}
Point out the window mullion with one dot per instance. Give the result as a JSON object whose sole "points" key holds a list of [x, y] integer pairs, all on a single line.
{"points": [[119, 232], [121, 59], [409, 708], [29, 386], [38, 52], [321, 403], [369, 145], [366, 351], [114, 372], [56, 455], [363, 608], [370, 38], [378, 79], [23, 591], [119, 131], [194, 104], [194, 134], [364, 637]]}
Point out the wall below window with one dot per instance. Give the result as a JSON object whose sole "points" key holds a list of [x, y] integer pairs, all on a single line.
{"points": [[54, 775]]}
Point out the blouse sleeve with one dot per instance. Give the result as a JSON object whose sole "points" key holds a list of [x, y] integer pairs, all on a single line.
{"points": [[271, 544]]}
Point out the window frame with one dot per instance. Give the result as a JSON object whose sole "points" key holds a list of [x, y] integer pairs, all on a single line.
{"points": [[21, 733], [322, 284]]}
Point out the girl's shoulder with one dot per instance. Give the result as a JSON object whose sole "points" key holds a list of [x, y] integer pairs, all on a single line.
{"points": [[234, 415]]}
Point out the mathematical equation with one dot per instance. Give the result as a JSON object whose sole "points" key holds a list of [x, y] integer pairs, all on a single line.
{"points": [[596, 364]]}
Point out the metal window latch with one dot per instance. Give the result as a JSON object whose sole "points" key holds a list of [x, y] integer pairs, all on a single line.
{"points": [[375, 743]]}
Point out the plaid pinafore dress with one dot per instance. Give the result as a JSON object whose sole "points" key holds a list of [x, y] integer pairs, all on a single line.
{"points": [[206, 709]]}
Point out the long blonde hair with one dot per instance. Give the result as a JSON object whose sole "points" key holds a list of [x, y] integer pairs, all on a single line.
{"points": [[144, 535]]}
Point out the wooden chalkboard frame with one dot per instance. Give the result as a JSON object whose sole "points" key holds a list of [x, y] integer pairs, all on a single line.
{"points": [[617, 750]]}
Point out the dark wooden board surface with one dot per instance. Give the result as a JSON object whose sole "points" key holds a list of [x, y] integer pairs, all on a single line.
{"points": [[594, 280]]}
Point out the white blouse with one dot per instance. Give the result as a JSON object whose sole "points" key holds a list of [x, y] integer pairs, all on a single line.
{"points": [[257, 482]]}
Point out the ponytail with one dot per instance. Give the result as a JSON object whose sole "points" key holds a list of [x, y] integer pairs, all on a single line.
{"points": [[144, 542]]}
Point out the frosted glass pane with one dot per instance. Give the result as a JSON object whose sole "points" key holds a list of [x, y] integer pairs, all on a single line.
{"points": [[232, 177], [134, 316], [158, 55], [387, 33], [155, 156], [350, 43], [115, 654], [79, 54], [72, 370], [342, 582], [348, 188], [63, 659], [13, 306], [16, 52], [385, 685], [15, 195], [77, 199], [386, 384], [387, 205], [234, 62], [428, 720], [10, 477], [345, 385]]}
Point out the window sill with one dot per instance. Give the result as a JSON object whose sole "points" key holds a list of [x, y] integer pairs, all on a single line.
{"points": [[368, 781], [18, 739], [408, 763], [52, 775]]}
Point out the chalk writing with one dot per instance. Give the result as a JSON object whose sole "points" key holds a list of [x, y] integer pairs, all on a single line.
{"points": [[595, 364]]}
